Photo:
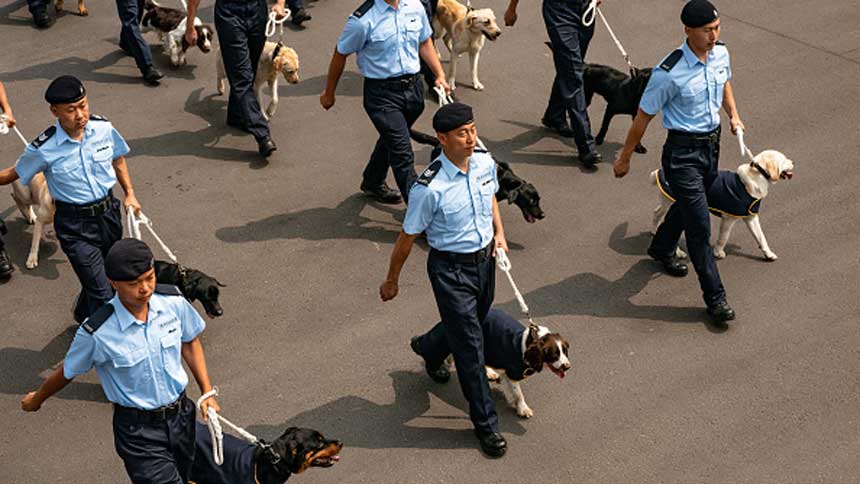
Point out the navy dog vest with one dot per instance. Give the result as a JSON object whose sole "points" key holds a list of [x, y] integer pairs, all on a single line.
{"points": [[503, 337], [238, 466], [727, 195]]}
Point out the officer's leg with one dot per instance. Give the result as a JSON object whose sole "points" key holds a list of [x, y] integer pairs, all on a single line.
{"points": [[130, 38], [433, 345], [37, 6], [145, 451], [393, 128], [110, 225], [456, 291], [426, 72], [83, 248], [563, 24], [666, 238], [256, 32], [183, 430]]}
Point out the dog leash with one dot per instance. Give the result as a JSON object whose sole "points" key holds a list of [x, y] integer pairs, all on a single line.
{"points": [[504, 264], [617, 42], [588, 15], [214, 422], [444, 99], [4, 129], [133, 225], [275, 23], [744, 149]]}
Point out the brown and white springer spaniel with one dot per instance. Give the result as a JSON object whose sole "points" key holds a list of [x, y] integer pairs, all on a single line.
{"points": [[170, 23]]}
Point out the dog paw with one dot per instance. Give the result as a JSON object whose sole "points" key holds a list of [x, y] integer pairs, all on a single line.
{"points": [[525, 411], [83, 11], [719, 253], [32, 262], [492, 375], [478, 86], [680, 254], [770, 256]]}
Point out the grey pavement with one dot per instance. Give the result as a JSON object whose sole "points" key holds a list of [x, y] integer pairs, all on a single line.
{"points": [[655, 395]]}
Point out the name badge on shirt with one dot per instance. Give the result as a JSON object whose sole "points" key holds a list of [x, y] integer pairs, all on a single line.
{"points": [[171, 320], [105, 147]]}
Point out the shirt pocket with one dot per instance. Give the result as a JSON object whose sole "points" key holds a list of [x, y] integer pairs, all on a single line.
{"points": [[131, 369], [103, 163], [171, 352], [412, 34], [382, 32], [488, 192], [721, 76], [694, 98], [457, 214]]}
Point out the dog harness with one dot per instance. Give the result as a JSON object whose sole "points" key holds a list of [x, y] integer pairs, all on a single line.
{"points": [[726, 196], [503, 336], [238, 467]]}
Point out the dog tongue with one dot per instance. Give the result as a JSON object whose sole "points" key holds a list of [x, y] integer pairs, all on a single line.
{"points": [[335, 458]]}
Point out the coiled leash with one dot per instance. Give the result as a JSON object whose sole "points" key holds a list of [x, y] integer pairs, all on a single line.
{"points": [[275, 23], [4, 129], [133, 225], [617, 42], [214, 421]]}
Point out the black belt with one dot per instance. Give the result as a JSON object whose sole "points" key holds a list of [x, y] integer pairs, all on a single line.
{"points": [[151, 416], [91, 209], [400, 82], [467, 258], [684, 139]]}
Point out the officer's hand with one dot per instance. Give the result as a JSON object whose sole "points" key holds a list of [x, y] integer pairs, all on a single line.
{"points": [[441, 82], [278, 8], [737, 124], [388, 290], [621, 166], [30, 403], [10, 119], [131, 201], [502, 243], [326, 100], [191, 34], [510, 17], [204, 407]]}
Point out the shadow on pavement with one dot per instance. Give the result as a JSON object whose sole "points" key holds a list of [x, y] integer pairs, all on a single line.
{"points": [[18, 247]]}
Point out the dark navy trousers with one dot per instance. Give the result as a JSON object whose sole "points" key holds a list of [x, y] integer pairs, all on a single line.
{"points": [[430, 10], [690, 172], [569, 38], [130, 39], [2, 233], [86, 239], [36, 6], [393, 106], [295, 5], [241, 30], [464, 293], [156, 452]]}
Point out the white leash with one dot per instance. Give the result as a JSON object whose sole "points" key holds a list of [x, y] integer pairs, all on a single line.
{"points": [[214, 421], [614, 38], [588, 15], [135, 221], [505, 266], [744, 149], [276, 23], [4, 129], [444, 99]]}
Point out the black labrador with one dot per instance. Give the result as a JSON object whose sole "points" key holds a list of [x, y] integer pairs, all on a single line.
{"points": [[193, 284], [511, 187], [621, 92]]}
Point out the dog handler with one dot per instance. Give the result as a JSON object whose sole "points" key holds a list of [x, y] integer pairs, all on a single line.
{"points": [[569, 38], [690, 86], [388, 37], [137, 343], [83, 157], [454, 202]]}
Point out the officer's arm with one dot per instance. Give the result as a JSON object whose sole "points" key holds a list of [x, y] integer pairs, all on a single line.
{"points": [[335, 70], [55, 382], [427, 51], [190, 31], [5, 107], [511, 13], [730, 107], [192, 353], [402, 247], [498, 229], [124, 180], [8, 175], [634, 136]]}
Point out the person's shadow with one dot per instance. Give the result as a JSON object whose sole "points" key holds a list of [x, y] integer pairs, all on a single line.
{"points": [[361, 423], [350, 85], [201, 143], [24, 19], [21, 370], [589, 294]]}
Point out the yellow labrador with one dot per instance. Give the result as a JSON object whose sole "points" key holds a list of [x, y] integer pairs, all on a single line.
{"points": [[37, 206], [275, 60], [463, 29]]}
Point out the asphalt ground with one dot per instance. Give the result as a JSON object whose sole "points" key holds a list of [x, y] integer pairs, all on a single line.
{"points": [[655, 395]]}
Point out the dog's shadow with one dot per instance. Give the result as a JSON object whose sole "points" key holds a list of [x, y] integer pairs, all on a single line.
{"points": [[362, 423], [21, 370], [201, 143]]}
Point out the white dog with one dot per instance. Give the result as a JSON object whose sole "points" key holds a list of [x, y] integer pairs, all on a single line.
{"points": [[734, 195], [275, 59], [37, 206], [464, 31]]}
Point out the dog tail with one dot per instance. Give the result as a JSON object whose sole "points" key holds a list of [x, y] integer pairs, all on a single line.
{"points": [[423, 138]]}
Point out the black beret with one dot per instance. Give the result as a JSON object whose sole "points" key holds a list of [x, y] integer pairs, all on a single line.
{"points": [[697, 13], [65, 89], [452, 116], [128, 259]]}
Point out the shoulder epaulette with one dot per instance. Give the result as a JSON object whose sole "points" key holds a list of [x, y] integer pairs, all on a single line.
{"points": [[670, 61], [167, 290], [720, 42], [429, 173], [44, 136], [363, 9], [94, 322], [96, 117]]}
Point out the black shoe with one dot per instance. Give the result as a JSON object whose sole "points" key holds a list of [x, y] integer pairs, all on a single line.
{"points": [[383, 194], [152, 76], [440, 374], [671, 264], [492, 443], [300, 16], [559, 129], [42, 19], [266, 146], [6, 268], [590, 159], [721, 312]]}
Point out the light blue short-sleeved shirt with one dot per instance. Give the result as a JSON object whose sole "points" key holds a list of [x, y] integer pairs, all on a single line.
{"points": [[78, 172], [139, 364], [386, 40], [690, 94], [454, 208]]}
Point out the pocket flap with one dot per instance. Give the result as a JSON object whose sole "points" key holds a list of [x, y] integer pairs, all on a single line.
{"points": [[129, 359], [172, 339]]}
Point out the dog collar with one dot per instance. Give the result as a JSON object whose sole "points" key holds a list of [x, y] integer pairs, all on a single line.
{"points": [[761, 170], [277, 50]]}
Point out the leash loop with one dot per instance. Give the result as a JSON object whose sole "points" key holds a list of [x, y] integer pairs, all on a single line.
{"points": [[133, 223], [617, 42], [588, 15], [215, 420], [276, 23]]}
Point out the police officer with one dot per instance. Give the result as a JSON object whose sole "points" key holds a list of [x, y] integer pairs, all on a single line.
{"points": [[137, 343], [388, 36], [241, 26], [131, 40], [569, 38], [454, 203], [83, 157], [6, 268], [690, 86]]}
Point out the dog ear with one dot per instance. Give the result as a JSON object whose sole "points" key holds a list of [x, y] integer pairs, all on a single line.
{"points": [[279, 63], [533, 356], [512, 195], [771, 164]]}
